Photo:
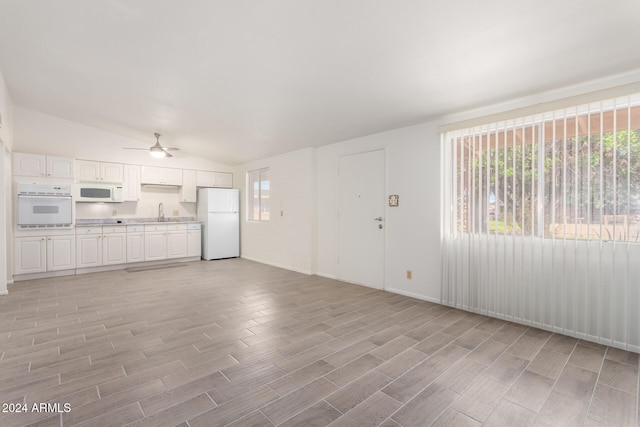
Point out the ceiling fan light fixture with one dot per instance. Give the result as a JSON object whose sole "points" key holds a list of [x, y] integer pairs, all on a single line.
{"points": [[157, 152]]}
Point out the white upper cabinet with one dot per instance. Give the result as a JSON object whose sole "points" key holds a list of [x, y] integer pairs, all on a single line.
{"points": [[112, 172], [131, 184], [26, 164], [161, 176], [59, 167], [224, 180], [214, 179], [87, 170], [188, 191], [205, 179]]}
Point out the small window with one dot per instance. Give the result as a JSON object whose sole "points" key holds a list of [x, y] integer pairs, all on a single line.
{"points": [[258, 195]]}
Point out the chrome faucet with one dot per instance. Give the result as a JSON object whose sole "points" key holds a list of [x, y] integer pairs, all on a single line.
{"points": [[160, 212]]}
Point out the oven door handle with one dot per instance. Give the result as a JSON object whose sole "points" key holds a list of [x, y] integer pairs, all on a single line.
{"points": [[48, 196]]}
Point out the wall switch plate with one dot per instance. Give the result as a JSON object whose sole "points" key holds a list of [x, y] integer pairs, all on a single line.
{"points": [[176, 213]]}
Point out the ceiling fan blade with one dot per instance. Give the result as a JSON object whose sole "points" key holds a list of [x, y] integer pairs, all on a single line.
{"points": [[157, 148]]}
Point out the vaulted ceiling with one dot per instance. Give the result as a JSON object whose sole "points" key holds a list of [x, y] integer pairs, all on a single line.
{"points": [[238, 80]]}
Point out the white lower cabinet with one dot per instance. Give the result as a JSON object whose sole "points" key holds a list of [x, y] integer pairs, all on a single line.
{"points": [[176, 240], [39, 254], [88, 247], [155, 242], [194, 240], [30, 255], [61, 252], [114, 245], [135, 243], [97, 246]]}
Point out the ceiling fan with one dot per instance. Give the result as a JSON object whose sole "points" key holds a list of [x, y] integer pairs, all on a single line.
{"points": [[157, 150]]}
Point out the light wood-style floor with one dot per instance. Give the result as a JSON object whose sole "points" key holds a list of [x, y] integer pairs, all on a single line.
{"points": [[241, 343]]}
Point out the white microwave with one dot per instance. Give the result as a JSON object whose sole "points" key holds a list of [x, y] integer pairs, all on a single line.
{"points": [[89, 192]]}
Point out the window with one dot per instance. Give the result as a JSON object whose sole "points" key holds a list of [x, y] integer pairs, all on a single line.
{"points": [[258, 195], [541, 221], [570, 174]]}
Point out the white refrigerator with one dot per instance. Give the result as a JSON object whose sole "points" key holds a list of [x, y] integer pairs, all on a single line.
{"points": [[218, 211]]}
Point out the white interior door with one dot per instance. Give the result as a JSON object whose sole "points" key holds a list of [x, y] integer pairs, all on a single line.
{"points": [[361, 202]]}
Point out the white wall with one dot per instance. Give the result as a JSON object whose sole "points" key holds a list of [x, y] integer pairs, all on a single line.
{"points": [[37, 132], [6, 142], [304, 187], [6, 111], [412, 238], [287, 240]]}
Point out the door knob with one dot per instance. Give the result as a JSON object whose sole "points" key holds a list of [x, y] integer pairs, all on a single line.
{"points": [[378, 219]]}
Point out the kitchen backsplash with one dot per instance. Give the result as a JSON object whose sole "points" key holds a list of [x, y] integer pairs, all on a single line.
{"points": [[146, 207]]}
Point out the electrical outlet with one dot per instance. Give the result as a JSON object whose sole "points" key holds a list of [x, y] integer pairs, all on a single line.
{"points": [[114, 212], [176, 213], [409, 274], [281, 213]]}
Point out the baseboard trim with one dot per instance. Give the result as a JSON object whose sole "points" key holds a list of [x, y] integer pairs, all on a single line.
{"points": [[273, 264], [413, 295], [327, 276]]}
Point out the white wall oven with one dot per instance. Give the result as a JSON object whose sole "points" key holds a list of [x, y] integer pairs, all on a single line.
{"points": [[44, 206]]}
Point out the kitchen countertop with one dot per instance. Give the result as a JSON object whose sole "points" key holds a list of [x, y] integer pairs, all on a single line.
{"points": [[97, 222], [88, 222]]}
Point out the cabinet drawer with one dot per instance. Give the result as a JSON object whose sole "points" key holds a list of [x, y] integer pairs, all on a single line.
{"points": [[135, 228], [114, 229], [155, 227], [194, 226], [88, 230], [174, 227]]}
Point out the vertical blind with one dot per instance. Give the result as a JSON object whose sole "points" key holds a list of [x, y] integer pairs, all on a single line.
{"points": [[541, 220]]}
